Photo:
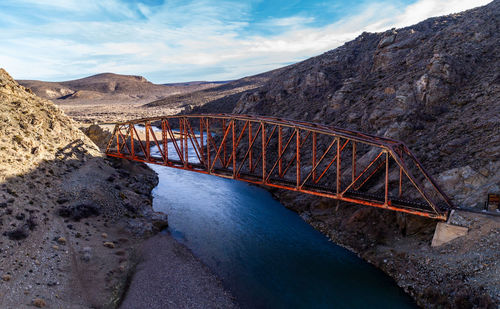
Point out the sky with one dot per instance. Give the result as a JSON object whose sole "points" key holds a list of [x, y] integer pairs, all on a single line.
{"points": [[190, 40]]}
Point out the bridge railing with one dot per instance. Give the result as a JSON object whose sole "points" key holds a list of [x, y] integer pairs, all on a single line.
{"points": [[316, 159]]}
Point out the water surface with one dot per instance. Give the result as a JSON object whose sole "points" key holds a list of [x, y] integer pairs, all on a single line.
{"points": [[265, 254]]}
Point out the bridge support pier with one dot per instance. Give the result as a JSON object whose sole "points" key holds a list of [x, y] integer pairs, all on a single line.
{"points": [[446, 232]]}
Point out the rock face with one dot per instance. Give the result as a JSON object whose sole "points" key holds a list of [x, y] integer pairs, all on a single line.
{"points": [[434, 85], [99, 136], [58, 194], [32, 129]]}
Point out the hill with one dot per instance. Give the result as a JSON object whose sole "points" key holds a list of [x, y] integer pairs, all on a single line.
{"points": [[109, 86], [214, 95], [66, 212], [107, 95]]}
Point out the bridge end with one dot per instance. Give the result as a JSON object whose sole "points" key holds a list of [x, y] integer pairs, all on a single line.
{"points": [[446, 232]]}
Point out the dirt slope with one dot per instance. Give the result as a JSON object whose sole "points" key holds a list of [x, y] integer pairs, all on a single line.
{"points": [[69, 218]]}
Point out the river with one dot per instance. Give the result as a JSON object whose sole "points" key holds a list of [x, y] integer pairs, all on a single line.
{"points": [[265, 254]]}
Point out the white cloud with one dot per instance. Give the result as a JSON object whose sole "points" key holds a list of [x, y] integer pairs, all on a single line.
{"points": [[210, 39], [423, 9], [293, 21]]}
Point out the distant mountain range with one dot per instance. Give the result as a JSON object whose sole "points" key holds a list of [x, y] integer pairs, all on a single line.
{"points": [[216, 93], [109, 87]]}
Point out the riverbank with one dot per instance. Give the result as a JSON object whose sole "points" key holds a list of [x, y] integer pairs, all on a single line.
{"points": [[170, 276], [162, 273], [71, 219], [460, 274]]}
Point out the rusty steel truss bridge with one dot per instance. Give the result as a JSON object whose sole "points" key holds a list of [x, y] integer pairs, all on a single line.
{"points": [[306, 157]]}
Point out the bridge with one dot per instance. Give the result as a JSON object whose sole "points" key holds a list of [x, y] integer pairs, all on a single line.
{"points": [[316, 159]]}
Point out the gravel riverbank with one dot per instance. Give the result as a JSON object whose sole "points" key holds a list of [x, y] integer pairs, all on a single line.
{"points": [[170, 276]]}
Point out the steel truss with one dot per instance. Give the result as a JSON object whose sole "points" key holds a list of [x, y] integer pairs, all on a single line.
{"points": [[306, 157]]}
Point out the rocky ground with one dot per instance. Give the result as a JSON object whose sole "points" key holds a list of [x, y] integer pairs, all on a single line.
{"points": [[181, 281]]}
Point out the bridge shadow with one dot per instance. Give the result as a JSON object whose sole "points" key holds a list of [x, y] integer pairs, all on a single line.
{"points": [[360, 227]]}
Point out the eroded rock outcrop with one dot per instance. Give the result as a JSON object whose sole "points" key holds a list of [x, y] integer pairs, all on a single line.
{"points": [[434, 85], [58, 195]]}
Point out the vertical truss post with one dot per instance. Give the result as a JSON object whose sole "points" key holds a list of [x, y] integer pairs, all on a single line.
{"points": [[280, 146], [201, 139], [181, 131], [186, 148], [234, 149], [132, 150], [338, 166], [118, 139], [250, 146], [314, 156], [297, 134], [148, 150], [263, 135], [386, 198], [224, 145], [208, 146], [165, 140]]}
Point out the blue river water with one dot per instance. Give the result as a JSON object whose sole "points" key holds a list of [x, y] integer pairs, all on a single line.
{"points": [[265, 254]]}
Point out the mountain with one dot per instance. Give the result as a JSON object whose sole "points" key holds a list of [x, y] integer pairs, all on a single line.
{"points": [[434, 85], [109, 86], [109, 97], [57, 195]]}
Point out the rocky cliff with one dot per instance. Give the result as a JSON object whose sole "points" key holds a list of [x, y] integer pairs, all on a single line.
{"points": [[69, 218], [434, 85]]}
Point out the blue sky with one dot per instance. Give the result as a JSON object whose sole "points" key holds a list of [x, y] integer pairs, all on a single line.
{"points": [[174, 41]]}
